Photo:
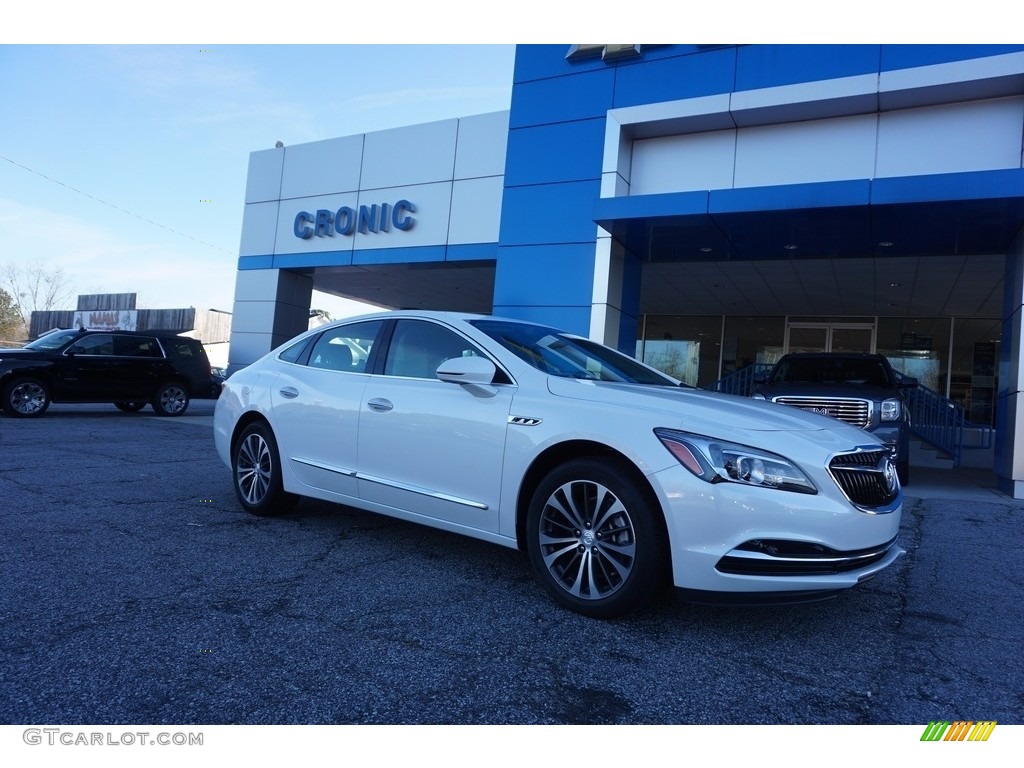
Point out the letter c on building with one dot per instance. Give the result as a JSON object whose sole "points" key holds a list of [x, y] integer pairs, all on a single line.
{"points": [[301, 227], [400, 215]]}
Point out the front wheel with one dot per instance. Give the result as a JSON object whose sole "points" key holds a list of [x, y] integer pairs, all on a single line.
{"points": [[171, 400], [26, 398], [595, 540], [256, 466]]}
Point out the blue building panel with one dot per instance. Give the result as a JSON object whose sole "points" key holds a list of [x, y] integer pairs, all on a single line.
{"points": [[545, 275], [829, 194], [312, 259], [767, 66], [554, 153], [906, 56], [976, 185], [472, 252], [549, 213], [677, 77], [411, 255], [586, 95]]}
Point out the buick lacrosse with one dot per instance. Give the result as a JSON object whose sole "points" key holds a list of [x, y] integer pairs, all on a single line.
{"points": [[615, 479]]}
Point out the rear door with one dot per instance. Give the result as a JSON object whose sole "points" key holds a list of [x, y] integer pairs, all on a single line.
{"points": [[140, 366], [316, 401]]}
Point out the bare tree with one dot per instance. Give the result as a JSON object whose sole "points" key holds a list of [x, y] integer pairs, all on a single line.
{"points": [[11, 327], [34, 287]]}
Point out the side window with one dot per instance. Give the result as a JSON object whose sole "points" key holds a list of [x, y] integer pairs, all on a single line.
{"points": [[346, 348], [418, 347], [94, 344], [294, 352], [136, 346]]}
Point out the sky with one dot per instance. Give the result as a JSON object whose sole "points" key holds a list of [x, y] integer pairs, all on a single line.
{"points": [[124, 139], [125, 165]]}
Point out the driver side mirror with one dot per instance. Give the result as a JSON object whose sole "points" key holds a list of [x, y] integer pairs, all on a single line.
{"points": [[467, 370]]}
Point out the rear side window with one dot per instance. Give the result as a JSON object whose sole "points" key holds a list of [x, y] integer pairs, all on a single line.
{"points": [[137, 346], [346, 348]]}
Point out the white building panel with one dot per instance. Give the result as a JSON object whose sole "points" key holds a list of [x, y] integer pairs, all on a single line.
{"points": [[430, 218], [416, 154], [476, 211], [954, 138], [481, 146], [811, 151], [287, 242], [259, 228], [322, 167], [683, 163], [263, 181]]}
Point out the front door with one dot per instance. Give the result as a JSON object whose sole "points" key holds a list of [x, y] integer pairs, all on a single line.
{"points": [[830, 337]]}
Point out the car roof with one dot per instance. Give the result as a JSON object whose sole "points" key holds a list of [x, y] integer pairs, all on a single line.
{"points": [[836, 355]]}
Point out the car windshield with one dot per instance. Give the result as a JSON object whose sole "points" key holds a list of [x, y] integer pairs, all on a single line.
{"points": [[52, 340], [573, 357], [831, 370]]}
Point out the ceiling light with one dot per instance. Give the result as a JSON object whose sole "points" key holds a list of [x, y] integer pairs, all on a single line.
{"points": [[790, 247], [886, 244]]}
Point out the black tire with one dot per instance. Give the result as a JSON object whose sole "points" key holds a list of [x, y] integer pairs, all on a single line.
{"points": [[130, 407], [256, 469], [595, 540], [26, 398], [171, 400]]}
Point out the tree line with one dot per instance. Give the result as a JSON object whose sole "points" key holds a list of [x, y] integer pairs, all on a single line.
{"points": [[28, 287]]}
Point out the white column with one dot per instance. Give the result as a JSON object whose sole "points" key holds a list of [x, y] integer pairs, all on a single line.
{"points": [[1009, 448], [271, 306]]}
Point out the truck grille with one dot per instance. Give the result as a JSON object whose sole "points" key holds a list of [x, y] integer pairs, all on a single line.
{"points": [[850, 410], [867, 479]]}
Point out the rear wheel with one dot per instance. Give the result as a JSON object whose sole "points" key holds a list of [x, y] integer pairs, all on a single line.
{"points": [[256, 466], [130, 407], [595, 540], [26, 398], [171, 400]]}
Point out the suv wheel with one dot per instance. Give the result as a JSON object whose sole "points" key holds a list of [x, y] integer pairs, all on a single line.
{"points": [[130, 407], [170, 400], [26, 398]]}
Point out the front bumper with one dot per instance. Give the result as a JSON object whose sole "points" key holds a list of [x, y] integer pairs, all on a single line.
{"points": [[728, 538]]}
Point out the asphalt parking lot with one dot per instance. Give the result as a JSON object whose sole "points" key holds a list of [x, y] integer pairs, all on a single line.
{"points": [[136, 591]]}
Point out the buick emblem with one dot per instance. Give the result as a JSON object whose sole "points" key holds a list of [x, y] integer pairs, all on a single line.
{"points": [[892, 481]]}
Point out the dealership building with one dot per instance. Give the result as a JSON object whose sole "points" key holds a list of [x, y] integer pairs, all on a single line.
{"points": [[706, 208]]}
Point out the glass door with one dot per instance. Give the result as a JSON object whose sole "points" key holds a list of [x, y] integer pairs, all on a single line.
{"points": [[830, 337]]}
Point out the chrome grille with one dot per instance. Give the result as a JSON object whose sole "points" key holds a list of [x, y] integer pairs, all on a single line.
{"points": [[866, 478], [851, 410]]}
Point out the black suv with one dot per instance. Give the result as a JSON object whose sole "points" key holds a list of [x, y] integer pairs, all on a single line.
{"points": [[128, 369], [858, 388]]}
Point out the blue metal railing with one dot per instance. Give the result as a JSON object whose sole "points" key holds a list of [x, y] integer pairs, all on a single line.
{"points": [[937, 420], [740, 382]]}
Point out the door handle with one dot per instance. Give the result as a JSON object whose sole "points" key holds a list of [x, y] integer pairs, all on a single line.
{"points": [[289, 392], [380, 404]]}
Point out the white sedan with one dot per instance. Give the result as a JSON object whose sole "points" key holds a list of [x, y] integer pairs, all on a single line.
{"points": [[613, 477]]}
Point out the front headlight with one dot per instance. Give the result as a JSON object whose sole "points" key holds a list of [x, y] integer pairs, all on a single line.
{"points": [[890, 410], [719, 461]]}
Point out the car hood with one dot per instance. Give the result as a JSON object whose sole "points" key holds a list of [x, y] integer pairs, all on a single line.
{"points": [[697, 410], [23, 354], [826, 389]]}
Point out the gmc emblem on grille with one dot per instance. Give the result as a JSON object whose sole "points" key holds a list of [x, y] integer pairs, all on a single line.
{"points": [[823, 411]]}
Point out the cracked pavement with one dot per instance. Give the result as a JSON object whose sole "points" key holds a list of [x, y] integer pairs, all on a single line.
{"points": [[135, 590]]}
